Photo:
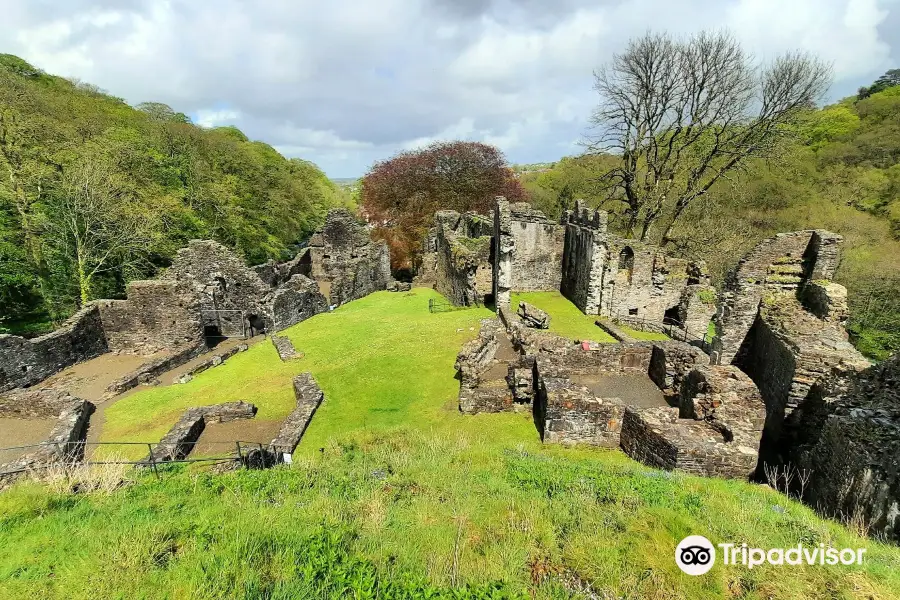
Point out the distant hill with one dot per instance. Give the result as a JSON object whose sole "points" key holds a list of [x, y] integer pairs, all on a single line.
{"points": [[94, 193]]}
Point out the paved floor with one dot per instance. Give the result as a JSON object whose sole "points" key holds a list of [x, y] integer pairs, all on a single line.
{"points": [[635, 390]]}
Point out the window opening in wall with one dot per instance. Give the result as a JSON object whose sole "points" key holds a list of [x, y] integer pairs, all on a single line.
{"points": [[626, 262]]}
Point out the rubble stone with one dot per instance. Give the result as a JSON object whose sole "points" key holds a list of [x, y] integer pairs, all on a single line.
{"points": [[533, 316]]}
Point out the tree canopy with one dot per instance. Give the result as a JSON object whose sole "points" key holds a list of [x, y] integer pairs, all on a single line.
{"points": [[683, 113], [400, 195], [94, 193]]}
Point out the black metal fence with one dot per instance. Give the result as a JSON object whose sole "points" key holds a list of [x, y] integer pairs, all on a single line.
{"points": [[437, 305], [70, 454]]}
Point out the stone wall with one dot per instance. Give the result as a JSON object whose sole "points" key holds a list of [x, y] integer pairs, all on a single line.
{"points": [[296, 300], [343, 255], [147, 373], [64, 444], [584, 259], [158, 315], [658, 438], [462, 263], [782, 264], [181, 438], [570, 414], [826, 300], [611, 276], [599, 358], [671, 361], [309, 396], [786, 351], [527, 251], [25, 362], [851, 445]]}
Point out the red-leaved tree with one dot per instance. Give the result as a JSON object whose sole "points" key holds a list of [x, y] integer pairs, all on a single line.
{"points": [[400, 195]]}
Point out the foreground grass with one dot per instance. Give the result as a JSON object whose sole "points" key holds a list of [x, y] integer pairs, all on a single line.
{"points": [[394, 494], [407, 513]]}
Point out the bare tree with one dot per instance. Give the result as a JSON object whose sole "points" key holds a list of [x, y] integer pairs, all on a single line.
{"points": [[95, 224], [683, 113]]}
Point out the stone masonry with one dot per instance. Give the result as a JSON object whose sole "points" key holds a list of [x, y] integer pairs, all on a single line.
{"points": [[462, 250], [64, 444], [714, 432], [849, 446], [527, 250], [345, 259], [615, 277], [309, 396], [25, 362], [181, 438]]}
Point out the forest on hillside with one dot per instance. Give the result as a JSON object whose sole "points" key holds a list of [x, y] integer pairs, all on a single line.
{"points": [[842, 173], [95, 193]]}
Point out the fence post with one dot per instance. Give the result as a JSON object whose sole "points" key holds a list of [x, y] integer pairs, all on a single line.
{"points": [[153, 461], [237, 443]]}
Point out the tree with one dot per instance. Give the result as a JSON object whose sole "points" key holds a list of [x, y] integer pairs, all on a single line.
{"points": [[95, 226], [400, 195], [158, 111], [682, 114], [889, 79]]}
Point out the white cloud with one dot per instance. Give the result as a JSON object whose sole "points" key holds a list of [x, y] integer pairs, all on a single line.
{"points": [[215, 118], [346, 83]]}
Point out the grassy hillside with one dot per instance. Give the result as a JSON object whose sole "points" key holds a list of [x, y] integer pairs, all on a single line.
{"points": [[395, 494], [94, 193]]}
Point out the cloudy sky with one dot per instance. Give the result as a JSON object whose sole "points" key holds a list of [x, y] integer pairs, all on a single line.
{"points": [[346, 82]]}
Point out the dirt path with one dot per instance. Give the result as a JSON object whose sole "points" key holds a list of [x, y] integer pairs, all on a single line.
{"points": [[219, 438], [89, 380], [22, 432]]}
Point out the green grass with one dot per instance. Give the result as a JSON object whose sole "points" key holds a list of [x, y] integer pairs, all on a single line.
{"points": [[642, 335], [394, 494], [565, 318]]}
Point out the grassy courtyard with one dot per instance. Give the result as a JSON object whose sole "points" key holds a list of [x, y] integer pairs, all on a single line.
{"points": [[394, 494]]}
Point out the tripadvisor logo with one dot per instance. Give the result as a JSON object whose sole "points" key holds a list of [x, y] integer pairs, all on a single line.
{"points": [[696, 555]]}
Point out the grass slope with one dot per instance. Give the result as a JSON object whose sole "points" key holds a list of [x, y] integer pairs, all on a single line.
{"points": [[565, 318], [396, 495]]}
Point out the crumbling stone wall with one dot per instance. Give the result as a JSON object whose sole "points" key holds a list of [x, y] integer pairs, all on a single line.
{"points": [[527, 251], [715, 431], [309, 396], [343, 255], [181, 438], [25, 362], [570, 414], [490, 371], [294, 301], [850, 447], [584, 258], [158, 315], [671, 361], [462, 263], [786, 351], [607, 275], [783, 264], [64, 444], [223, 283]]}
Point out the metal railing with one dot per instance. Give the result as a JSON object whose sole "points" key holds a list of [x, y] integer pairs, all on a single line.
{"points": [[436, 305], [247, 454]]}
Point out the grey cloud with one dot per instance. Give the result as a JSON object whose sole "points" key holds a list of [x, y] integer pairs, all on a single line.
{"points": [[350, 82]]}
